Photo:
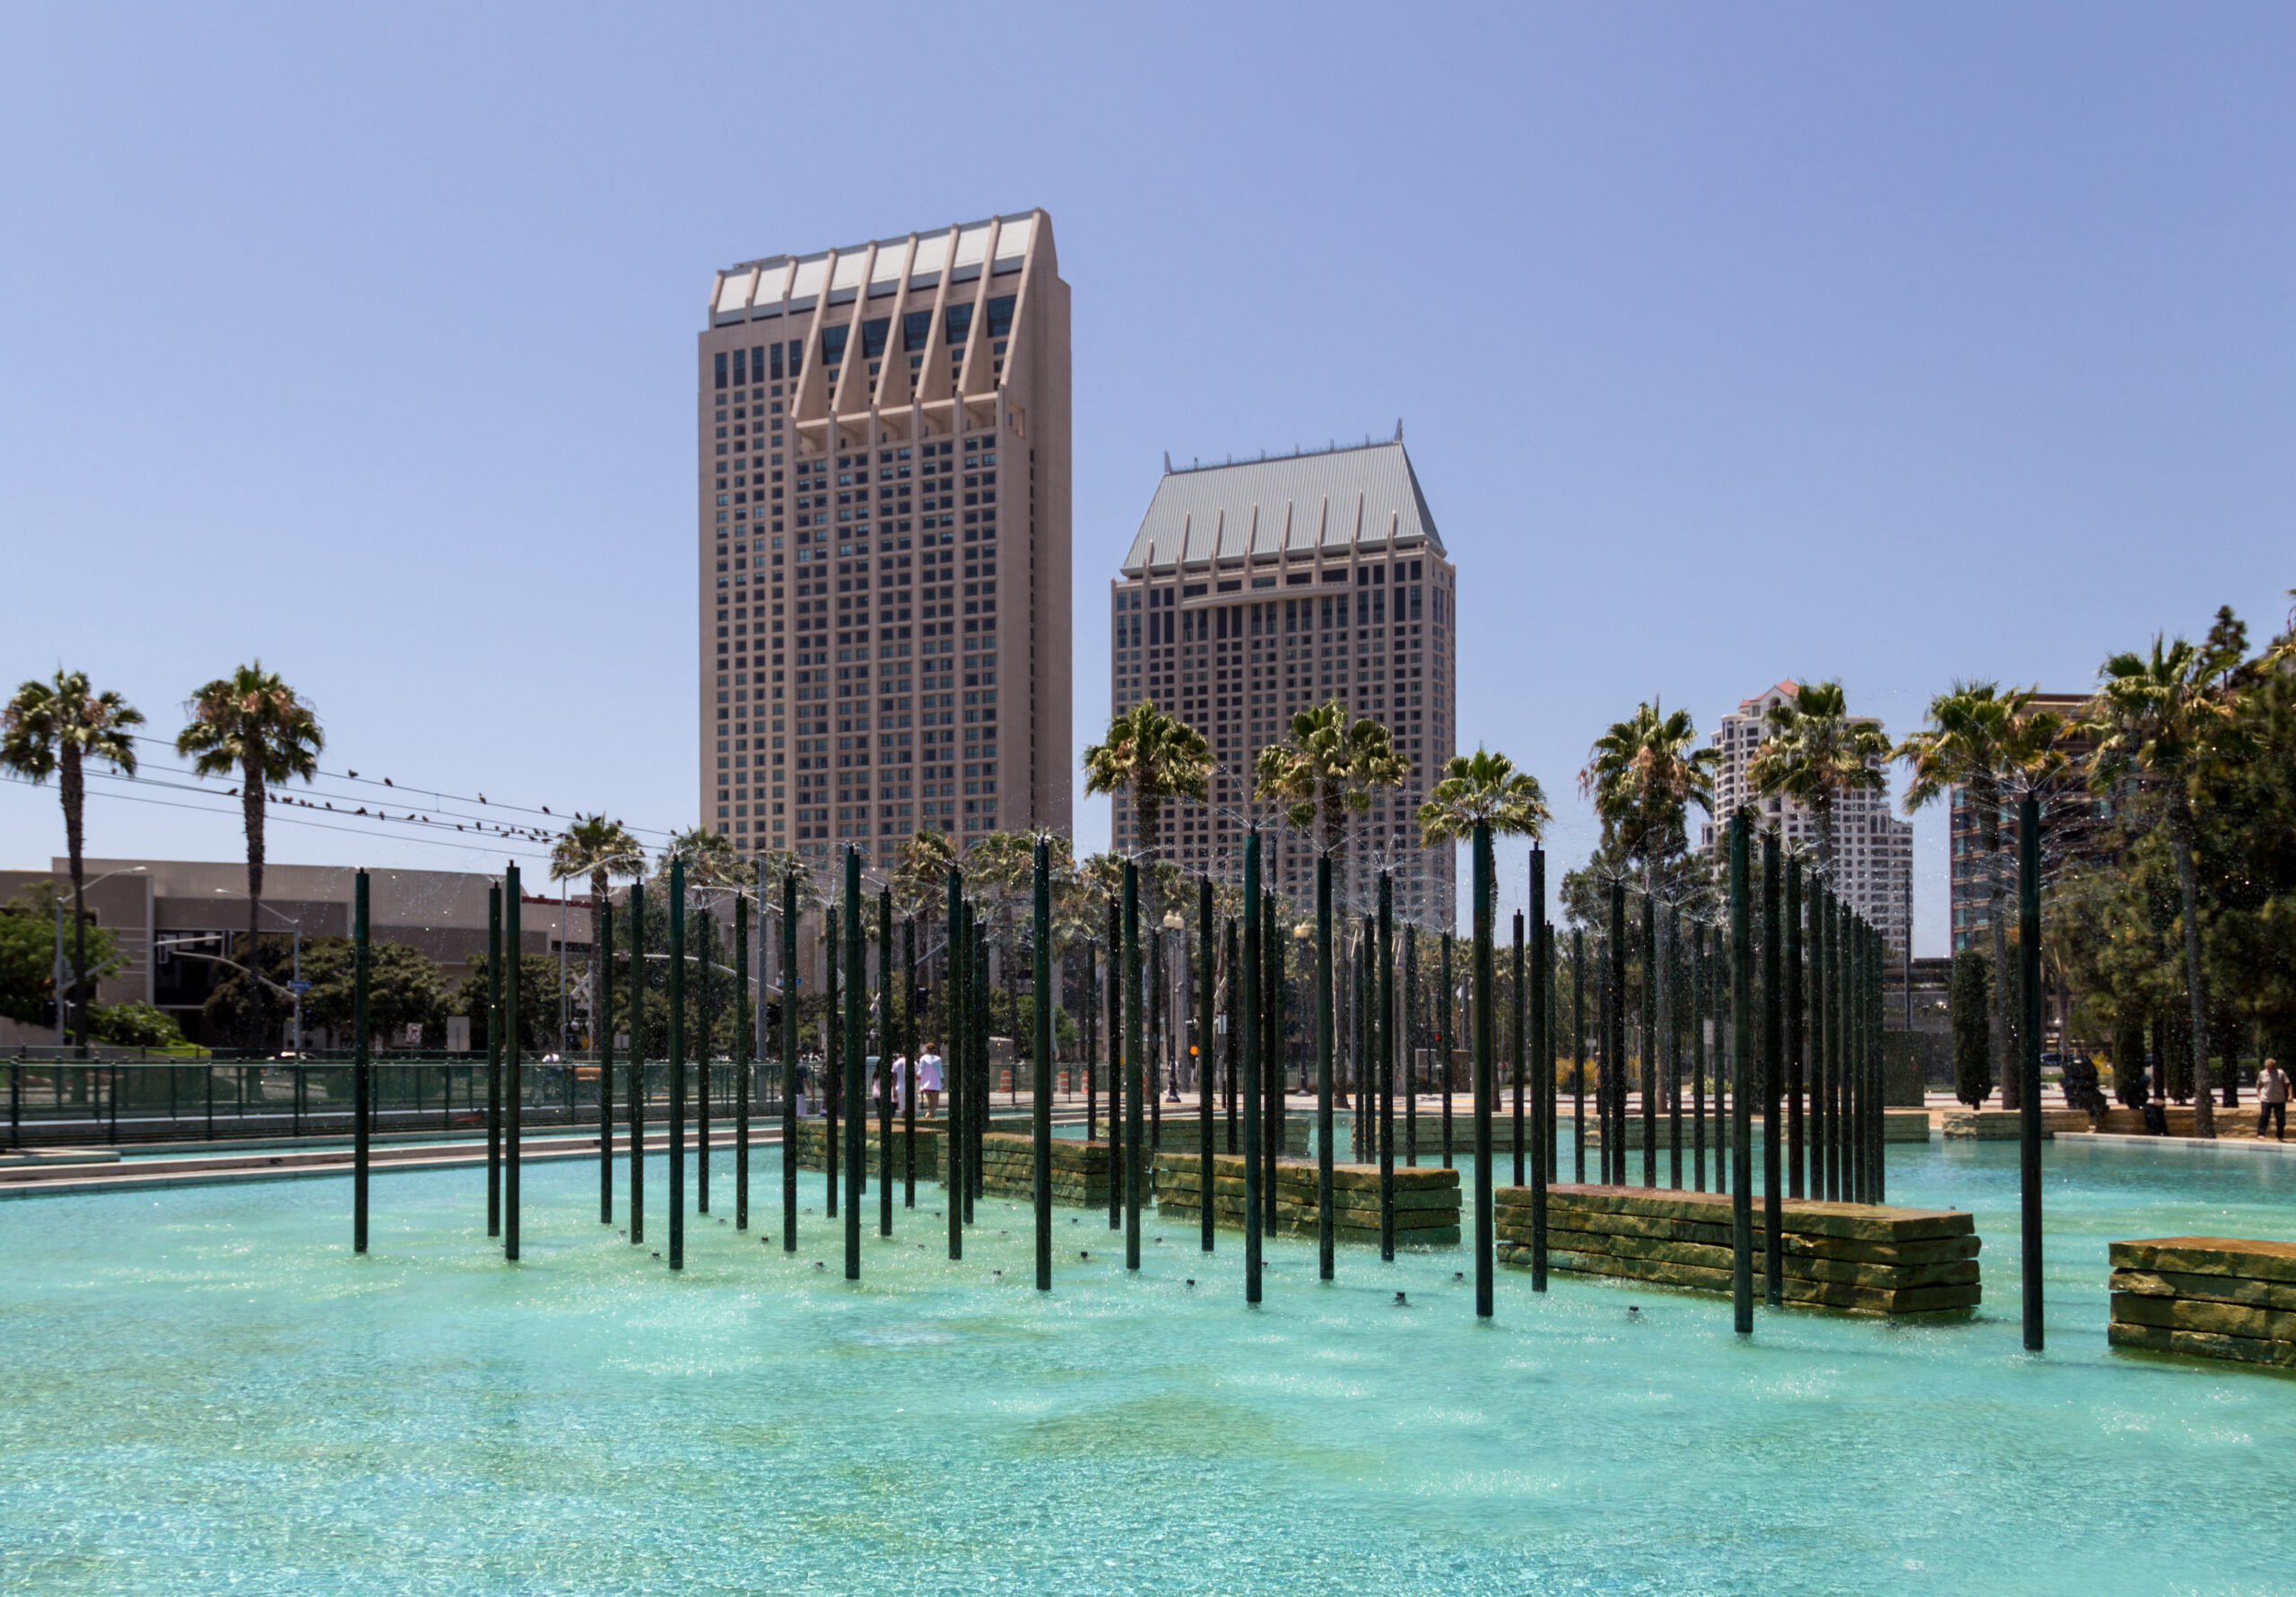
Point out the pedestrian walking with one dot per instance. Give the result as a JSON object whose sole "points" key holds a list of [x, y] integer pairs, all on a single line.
{"points": [[2272, 1101]]}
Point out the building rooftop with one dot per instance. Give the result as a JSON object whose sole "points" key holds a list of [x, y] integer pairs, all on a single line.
{"points": [[766, 286], [1300, 503]]}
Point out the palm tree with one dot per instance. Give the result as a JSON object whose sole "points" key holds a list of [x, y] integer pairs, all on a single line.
{"points": [[2165, 719], [709, 859], [1644, 775], [57, 726], [253, 725], [1328, 767], [921, 872], [1483, 789], [1817, 755], [1156, 758], [1985, 742], [600, 849]]}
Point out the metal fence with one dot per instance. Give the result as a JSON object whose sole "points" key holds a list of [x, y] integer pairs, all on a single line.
{"points": [[58, 1098]]}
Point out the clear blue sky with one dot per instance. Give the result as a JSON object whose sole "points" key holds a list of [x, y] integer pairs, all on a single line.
{"points": [[1731, 343]]}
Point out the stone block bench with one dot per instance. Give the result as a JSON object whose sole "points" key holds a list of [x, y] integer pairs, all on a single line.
{"points": [[2205, 1297], [813, 1143], [1864, 1258], [1426, 1199], [1080, 1170]]}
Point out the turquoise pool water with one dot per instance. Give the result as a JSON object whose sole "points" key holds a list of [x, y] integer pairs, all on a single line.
{"points": [[207, 1394]]}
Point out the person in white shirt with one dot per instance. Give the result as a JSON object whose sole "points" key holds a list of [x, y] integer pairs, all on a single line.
{"points": [[902, 1083], [2272, 1101], [928, 1080]]}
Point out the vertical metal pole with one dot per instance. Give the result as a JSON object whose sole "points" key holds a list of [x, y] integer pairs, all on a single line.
{"points": [[1542, 1067], [1254, 1121], [1773, 1073], [1324, 1236], [1411, 1045], [1041, 1115], [1486, 889], [789, 1063], [1271, 942], [362, 1086], [1384, 1030], [1445, 1044], [1702, 1010], [513, 1081], [954, 986], [637, 1093], [742, 1034], [1648, 1061], [885, 1051], [708, 945], [982, 1101], [856, 1036], [1157, 997], [494, 1059], [1134, 1072], [1742, 1001], [914, 1038], [832, 1061], [676, 1200], [1118, 1001], [1207, 989], [1794, 1036], [601, 1024], [1522, 1043], [1578, 1055], [1614, 1046]]}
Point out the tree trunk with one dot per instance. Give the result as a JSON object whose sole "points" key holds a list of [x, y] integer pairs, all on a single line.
{"points": [[2203, 1110], [73, 786], [251, 808]]}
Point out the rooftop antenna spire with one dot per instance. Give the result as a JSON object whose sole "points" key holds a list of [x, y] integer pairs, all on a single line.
{"points": [[1398, 430], [1168, 463]]}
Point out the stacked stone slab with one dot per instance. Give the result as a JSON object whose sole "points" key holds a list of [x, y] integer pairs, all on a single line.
{"points": [[813, 1142], [1080, 1170], [2207, 1298], [1179, 1130], [1864, 1258], [1426, 1199]]}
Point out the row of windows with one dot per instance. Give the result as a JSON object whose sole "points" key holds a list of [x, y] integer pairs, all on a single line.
{"points": [[768, 361]]}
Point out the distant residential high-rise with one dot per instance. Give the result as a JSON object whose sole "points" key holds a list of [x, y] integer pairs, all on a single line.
{"points": [[1872, 848], [884, 461], [1258, 588]]}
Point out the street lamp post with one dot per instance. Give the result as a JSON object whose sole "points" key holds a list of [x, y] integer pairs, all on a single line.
{"points": [[79, 998], [295, 983]]}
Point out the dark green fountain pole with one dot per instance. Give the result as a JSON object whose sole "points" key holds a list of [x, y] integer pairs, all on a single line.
{"points": [[1118, 1001], [1522, 1041], [1825, 1168], [741, 1032], [1670, 1049], [1578, 1055], [1134, 1074], [1411, 1045], [1384, 1029], [2029, 1060], [1485, 1062], [1701, 1011], [1253, 1122], [952, 1152], [789, 1063], [915, 1042], [1207, 955], [1648, 1072], [1041, 1110], [637, 1068], [1271, 944], [494, 1059], [1450, 1001], [1742, 1001], [1325, 1238], [1795, 1037], [707, 943], [856, 1033], [1773, 1073], [885, 1051], [677, 1063], [362, 1085], [1853, 1074], [515, 1105], [603, 1029], [1615, 1048]]}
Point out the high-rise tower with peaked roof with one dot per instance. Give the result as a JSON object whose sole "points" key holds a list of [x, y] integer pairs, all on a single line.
{"points": [[1258, 588], [883, 450]]}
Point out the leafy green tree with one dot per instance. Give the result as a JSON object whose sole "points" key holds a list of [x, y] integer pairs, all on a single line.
{"points": [[132, 1024], [537, 1000], [1818, 755], [253, 726], [1482, 788], [1972, 1027], [1989, 745], [54, 728], [1155, 759], [1326, 769], [27, 954], [2165, 719]]}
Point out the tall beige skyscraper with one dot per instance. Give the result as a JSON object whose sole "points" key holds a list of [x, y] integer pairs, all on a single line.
{"points": [[884, 462], [1258, 588]]}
